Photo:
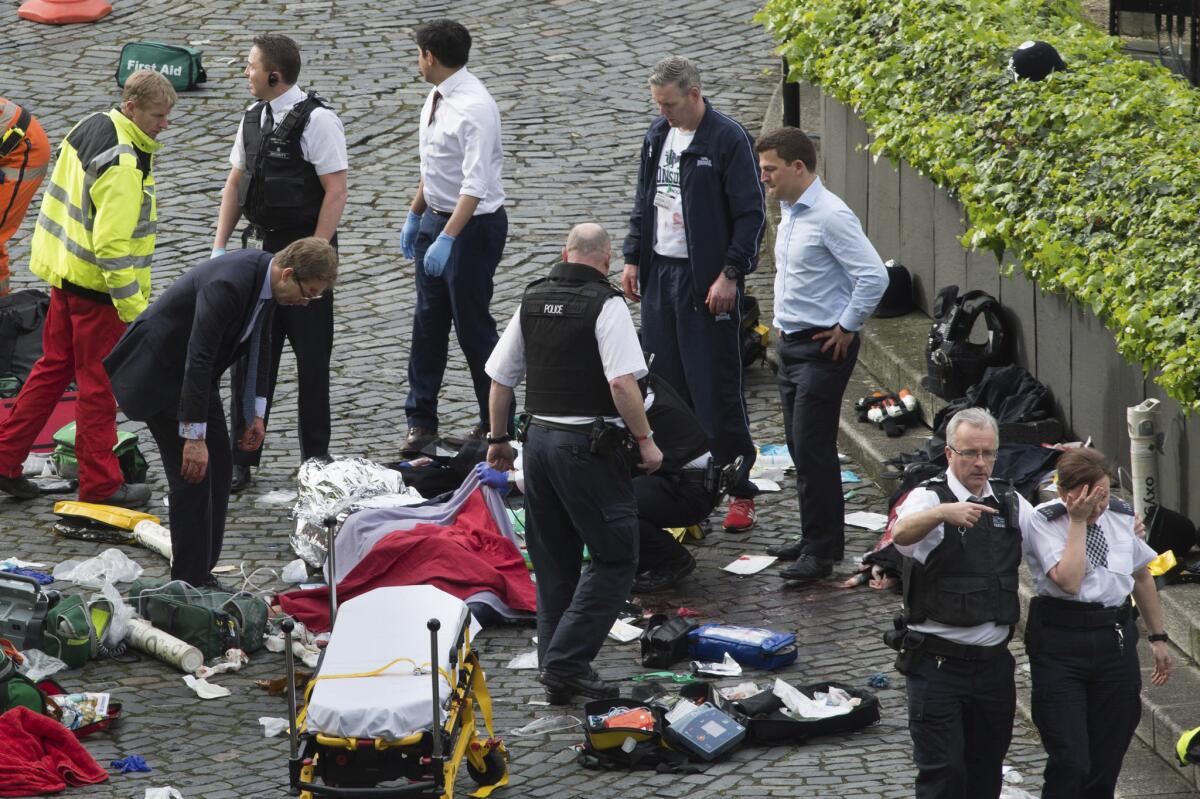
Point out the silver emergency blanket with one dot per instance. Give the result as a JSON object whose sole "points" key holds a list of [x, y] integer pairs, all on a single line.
{"points": [[337, 489]]}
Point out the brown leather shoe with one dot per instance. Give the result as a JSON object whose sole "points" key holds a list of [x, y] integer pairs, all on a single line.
{"points": [[417, 437]]}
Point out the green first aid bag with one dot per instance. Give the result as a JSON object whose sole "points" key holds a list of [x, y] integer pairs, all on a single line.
{"points": [[212, 621], [177, 63], [17, 690], [132, 461], [69, 634]]}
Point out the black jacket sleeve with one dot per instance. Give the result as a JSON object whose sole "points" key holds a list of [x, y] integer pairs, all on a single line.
{"points": [[745, 197], [218, 309]]}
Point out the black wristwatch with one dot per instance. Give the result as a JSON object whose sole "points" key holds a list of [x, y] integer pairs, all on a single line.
{"points": [[731, 272], [1154, 638], [504, 439]]}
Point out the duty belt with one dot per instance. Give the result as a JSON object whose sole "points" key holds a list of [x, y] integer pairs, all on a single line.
{"points": [[16, 134], [584, 428], [940, 647], [1065, 613]]}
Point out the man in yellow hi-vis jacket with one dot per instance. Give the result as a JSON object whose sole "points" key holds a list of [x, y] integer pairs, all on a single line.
{"points": [[93, 244]]}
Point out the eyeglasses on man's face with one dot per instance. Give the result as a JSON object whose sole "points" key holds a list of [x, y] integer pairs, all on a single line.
{"points": [[307, 293], [972, 454]]}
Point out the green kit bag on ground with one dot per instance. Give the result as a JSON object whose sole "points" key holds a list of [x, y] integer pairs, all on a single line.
{"points": [[177, 63], [129, 456], [17, 690], [212, 621], [69, 634]]}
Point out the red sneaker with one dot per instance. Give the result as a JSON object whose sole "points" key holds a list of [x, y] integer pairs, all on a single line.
{"points": [[741, 515]]}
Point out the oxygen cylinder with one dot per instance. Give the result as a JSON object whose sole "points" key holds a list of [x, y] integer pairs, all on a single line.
{"points": [[1145, 445]]}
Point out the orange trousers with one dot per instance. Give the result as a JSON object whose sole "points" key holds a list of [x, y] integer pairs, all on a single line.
{"points": [[21, 172]]}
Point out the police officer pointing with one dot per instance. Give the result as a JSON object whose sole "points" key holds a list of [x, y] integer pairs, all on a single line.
{"points": [[574, 341], [961, 541]]}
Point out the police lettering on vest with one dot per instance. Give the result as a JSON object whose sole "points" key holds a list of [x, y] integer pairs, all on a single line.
{"points": [[970, 577], [280, 190], [564, 373]]}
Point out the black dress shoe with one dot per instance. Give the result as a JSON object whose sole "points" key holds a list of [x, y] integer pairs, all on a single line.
{"points": [[19, 487], [560, 688], [242, 478], [807, 567], [665, 576], [788, 551]]}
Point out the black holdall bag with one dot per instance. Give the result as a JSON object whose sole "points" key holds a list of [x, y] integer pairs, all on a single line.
{"points": [[953, 362], [665, 641], [22, 314]]}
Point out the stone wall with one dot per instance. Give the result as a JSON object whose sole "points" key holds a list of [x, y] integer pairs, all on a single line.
{"points": [[911, 219]]}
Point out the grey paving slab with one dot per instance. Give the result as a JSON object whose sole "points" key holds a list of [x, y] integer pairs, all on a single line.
{"points": [[569, 76]]}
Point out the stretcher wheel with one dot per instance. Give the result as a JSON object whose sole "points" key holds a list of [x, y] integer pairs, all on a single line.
{"points": [[494, 764]]}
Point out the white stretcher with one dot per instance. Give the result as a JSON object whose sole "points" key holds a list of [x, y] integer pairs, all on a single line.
{"points": [[370, 713]]}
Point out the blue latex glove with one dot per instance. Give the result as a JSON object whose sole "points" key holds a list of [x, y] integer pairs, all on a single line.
{"points": [[131, 763], [490, 477], [408, 235], [438, 254], [217, 252]]}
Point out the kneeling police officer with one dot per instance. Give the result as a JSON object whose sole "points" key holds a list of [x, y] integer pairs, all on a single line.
{"points": [[574, 341]]}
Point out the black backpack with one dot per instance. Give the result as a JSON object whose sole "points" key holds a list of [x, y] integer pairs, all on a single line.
{"points": [[754, 334], [21, 316], [953, 362]]}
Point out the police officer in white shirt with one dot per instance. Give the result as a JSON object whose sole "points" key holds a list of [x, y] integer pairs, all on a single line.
{"points": [[1081, 637], [961, 539], [288, 177], [456, 227], [573, 342]]}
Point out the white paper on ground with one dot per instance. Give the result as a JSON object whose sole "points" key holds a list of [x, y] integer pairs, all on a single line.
{"points": [[165, 792], [624, 632], [525, 660], [867, 520], [763, 484], [204, 689], [750, 564], [272, 726]]}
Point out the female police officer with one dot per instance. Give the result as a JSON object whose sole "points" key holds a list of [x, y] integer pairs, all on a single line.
{"points": [[1080, 635]]}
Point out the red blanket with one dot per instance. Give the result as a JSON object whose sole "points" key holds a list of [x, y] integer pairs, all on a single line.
{"points": [[38, 755], [464, 558]]}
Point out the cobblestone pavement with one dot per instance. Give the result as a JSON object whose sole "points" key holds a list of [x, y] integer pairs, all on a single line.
{"points": [[569, 76]]}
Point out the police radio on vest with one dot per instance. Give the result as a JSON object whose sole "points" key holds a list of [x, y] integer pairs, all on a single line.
{"points": [[175, 70]]}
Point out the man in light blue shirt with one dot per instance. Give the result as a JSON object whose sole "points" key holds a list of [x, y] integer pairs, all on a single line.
{"points": [[828, 280]]}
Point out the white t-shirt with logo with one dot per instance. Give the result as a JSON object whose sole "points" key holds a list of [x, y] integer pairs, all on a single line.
{"points": [[671, 238]]}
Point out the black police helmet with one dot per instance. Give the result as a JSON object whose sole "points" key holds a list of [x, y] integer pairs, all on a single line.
{"points": [[1035, 60]]}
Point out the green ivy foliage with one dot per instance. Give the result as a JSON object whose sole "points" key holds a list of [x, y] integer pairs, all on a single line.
{"points": [[1090, 178]]}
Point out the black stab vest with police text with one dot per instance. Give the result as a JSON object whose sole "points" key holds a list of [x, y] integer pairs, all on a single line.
{"points": [[564, 372]]}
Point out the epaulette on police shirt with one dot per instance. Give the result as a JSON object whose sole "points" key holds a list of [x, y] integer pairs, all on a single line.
{"points": [[1120, 506], [1052, 511]]}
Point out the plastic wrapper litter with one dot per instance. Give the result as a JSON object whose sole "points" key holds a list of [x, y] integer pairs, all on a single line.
{"points": [[336, 489]]}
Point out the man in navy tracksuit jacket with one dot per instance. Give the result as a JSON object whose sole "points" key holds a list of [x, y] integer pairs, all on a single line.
{"points": [[694, 232]]}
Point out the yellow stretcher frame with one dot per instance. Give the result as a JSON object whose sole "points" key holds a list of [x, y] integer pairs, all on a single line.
{"points": [[315, 755]]}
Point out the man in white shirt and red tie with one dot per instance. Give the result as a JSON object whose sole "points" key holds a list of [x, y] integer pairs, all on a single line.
{"points": [[456, 227]]}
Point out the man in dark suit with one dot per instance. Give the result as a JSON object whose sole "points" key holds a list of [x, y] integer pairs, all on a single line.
{"points": [[166, 371]]}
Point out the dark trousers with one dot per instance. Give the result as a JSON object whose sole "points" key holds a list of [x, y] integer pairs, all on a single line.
{"points": [[666, 501], [1086, 706], [960, 716], [811, 385], [197, 510], [309, 329], [574, 497], [462, 296], [700, 355]]}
